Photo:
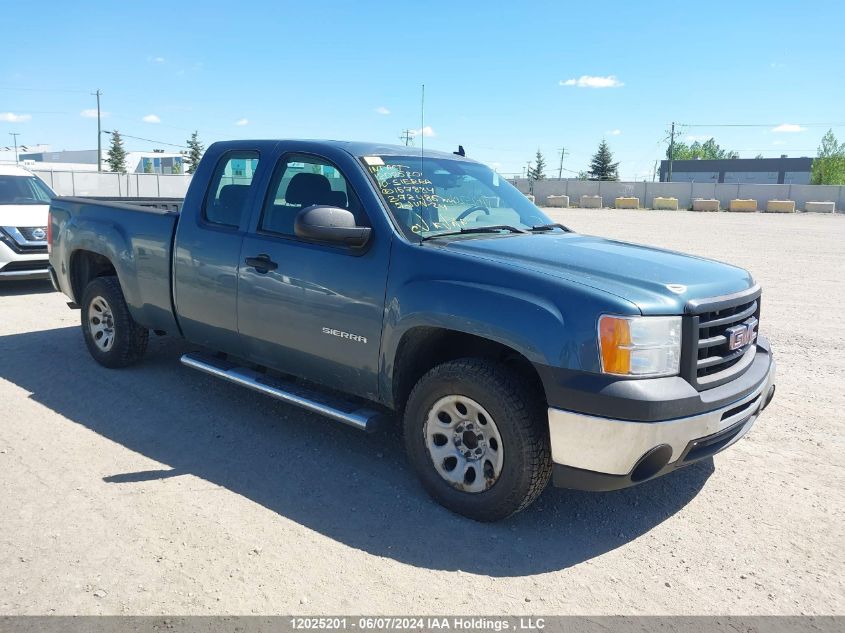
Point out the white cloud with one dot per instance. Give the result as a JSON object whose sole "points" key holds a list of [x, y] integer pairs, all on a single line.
{"points": [[788, 127], [151, 118], [615, 132], [426, 131], [382, 110], [589, 81], [692, 138], [242, 122], [159, 60], [91, 113], [779, 142], [11, 117]]}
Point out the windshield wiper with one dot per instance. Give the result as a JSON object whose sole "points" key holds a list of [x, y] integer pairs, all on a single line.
{"points": [[549, 227], [478, 229]]}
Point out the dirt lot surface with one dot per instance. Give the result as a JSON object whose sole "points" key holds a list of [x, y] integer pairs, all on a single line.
{"points": [[157, 489]]}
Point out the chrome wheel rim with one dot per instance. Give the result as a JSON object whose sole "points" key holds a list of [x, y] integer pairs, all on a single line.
{"points": [[101, 323], [464, 444]]}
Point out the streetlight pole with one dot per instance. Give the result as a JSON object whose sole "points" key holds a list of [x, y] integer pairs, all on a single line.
{"points": [[15, 136], [99, 133]]}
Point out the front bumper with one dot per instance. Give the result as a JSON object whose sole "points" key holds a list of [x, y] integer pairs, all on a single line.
{"points": [[22, 265], [599, 453]]}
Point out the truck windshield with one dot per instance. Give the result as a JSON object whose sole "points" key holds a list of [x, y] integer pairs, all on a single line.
{"points": [[432, 196], [24, 190]]}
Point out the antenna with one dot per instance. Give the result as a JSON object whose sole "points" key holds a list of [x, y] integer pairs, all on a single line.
{"points": [[422, 127]]}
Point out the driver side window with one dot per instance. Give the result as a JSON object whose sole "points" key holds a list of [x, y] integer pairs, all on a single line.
{"points": [[301, 181]]}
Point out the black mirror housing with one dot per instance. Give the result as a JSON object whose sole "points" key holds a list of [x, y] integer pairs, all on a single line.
{"points": [[330, 225]]}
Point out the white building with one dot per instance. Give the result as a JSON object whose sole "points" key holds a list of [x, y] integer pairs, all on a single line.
{"points": [[150, 162]]}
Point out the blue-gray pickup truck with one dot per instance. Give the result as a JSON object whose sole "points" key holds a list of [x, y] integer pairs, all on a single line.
{"points": [[373, 283]]}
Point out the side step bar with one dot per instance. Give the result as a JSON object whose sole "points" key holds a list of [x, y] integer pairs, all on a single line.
{"points": [[335, 408]]}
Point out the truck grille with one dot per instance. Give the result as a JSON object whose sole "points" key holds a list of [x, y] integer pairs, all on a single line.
{"points": [[710, 361]]}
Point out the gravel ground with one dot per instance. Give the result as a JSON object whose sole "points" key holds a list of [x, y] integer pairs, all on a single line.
{"points": [[158, 490]]}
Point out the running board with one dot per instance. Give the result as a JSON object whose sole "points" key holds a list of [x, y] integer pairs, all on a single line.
{"points": [[335, 408]]}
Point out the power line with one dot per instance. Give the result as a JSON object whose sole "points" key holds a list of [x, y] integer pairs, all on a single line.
{"points": [[148, 140], [759, 124], [42, 89]]}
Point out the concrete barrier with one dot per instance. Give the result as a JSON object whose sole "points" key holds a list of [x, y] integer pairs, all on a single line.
{"points": [[780, 206], [745, 206], [705, 204], [668, 204], [591, 202], [627, 203], [820, 207], [557, 201]]}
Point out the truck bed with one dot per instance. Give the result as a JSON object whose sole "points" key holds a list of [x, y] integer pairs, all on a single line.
{"points": [[173, 205], [136, 236]]}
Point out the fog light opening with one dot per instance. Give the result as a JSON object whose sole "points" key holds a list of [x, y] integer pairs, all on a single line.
{"points": [[769, 397], [651, 463]]}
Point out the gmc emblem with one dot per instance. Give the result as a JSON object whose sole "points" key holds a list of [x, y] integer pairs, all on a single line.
{"points": [[742, 334]]}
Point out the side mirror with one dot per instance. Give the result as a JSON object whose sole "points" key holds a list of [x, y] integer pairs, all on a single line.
{"points": [[332, 225]]}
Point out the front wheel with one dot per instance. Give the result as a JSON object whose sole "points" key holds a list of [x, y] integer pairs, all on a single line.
{"points": [[113, 337], [477, 436]]}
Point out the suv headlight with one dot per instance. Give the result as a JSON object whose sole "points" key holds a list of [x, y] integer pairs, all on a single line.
{"points": [[640, 345]]}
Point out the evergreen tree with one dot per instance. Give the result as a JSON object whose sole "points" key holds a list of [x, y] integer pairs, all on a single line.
{"points": [[539, 169], [116, 158], [195, 150], [829, 164], [602, 166]]}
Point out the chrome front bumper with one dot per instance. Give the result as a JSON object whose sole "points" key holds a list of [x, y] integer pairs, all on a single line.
{"points": [[613, 449]]}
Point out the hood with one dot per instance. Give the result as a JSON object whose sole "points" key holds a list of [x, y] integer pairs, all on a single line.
{"points": [[23, 214], [657, 281]]}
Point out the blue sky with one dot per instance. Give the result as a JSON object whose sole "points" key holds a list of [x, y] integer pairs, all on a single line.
{"points": [[498, 75]]}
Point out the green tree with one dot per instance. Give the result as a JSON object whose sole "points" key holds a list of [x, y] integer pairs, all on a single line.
{"points": [[538, 172], [708, 150], [602, 166], [116, 158], [829, 164], [195, 150]]}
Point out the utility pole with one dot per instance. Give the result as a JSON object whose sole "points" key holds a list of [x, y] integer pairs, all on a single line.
{"points": [[407, 136], [560, 169], [671, 151], [99, 133], [15, 136]]}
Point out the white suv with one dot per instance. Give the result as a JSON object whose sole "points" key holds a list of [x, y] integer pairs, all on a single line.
{"points": [[24, 204]]}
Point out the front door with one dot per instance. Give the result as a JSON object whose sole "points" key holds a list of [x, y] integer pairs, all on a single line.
{"points": [[306, 309]]}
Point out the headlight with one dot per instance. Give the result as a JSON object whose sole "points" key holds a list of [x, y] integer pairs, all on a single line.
{"points": [[640, 346]]}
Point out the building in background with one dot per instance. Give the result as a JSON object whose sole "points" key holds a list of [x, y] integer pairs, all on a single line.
{"points": [[761, 171], [152, 162]]}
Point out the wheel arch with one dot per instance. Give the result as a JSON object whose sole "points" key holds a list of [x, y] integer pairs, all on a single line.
{"points": [[85, 266], [422, 348]]}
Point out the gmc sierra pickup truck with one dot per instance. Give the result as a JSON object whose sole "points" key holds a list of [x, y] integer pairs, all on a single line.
{"points": [[373, 283]]}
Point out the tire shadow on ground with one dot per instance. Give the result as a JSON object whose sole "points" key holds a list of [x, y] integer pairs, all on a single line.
{"points": [[352, 487]]}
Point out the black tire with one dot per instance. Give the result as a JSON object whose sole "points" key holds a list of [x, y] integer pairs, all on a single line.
{"points": [[129, 340], [521, 420]]}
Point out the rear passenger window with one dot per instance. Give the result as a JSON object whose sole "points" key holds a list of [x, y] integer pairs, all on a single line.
{"points": [[230, 187], [301, 181]]}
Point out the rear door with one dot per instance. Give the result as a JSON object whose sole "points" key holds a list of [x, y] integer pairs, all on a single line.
{"points": [[207, 253], [306, 309]]}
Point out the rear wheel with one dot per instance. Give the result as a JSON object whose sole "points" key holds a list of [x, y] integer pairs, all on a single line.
{"points": [[113, 337], [477, 436]]}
